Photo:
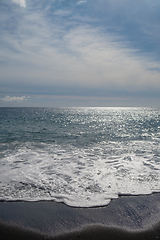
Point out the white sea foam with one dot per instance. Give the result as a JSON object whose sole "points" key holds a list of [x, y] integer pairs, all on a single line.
{"points": [[78, 177]]}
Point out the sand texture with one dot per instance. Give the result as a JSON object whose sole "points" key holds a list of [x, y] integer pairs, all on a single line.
{"points": [[128, 217]]}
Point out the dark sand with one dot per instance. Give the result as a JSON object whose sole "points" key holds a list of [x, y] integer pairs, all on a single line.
{"points": [[128, 217]]}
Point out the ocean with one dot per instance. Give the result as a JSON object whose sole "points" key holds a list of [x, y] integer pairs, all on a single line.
{"points": [[83, 157]]}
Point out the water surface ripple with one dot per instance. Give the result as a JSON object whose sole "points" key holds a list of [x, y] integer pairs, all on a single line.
{"points": [[81, 156]]}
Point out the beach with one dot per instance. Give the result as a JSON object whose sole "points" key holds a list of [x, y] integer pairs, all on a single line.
{"points": [[128, 217]]}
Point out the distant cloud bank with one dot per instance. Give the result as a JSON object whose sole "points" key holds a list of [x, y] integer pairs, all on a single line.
{"points": [[14, 99]]}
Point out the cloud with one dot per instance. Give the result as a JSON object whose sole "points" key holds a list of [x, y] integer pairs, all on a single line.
{"points": [[80, 2], [14, 99], [21, 3], [57, 47], [83, 57]]}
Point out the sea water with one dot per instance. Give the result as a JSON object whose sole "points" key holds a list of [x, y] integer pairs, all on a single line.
{"points": [[83, 157]]}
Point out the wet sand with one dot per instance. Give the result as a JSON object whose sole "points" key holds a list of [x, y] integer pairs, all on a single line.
{"points": [[128, 217]]}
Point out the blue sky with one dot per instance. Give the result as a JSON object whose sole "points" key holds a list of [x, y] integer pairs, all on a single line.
{"points": [[60, 53]]}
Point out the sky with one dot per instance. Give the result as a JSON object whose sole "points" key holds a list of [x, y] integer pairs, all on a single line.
{"points": [[79, 53]]}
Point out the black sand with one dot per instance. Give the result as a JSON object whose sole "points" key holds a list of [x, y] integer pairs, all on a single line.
{"points": [[129, 217]]}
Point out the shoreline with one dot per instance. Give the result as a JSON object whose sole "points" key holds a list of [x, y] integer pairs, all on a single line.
{"points": [[94, 206], [125, 216]]}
